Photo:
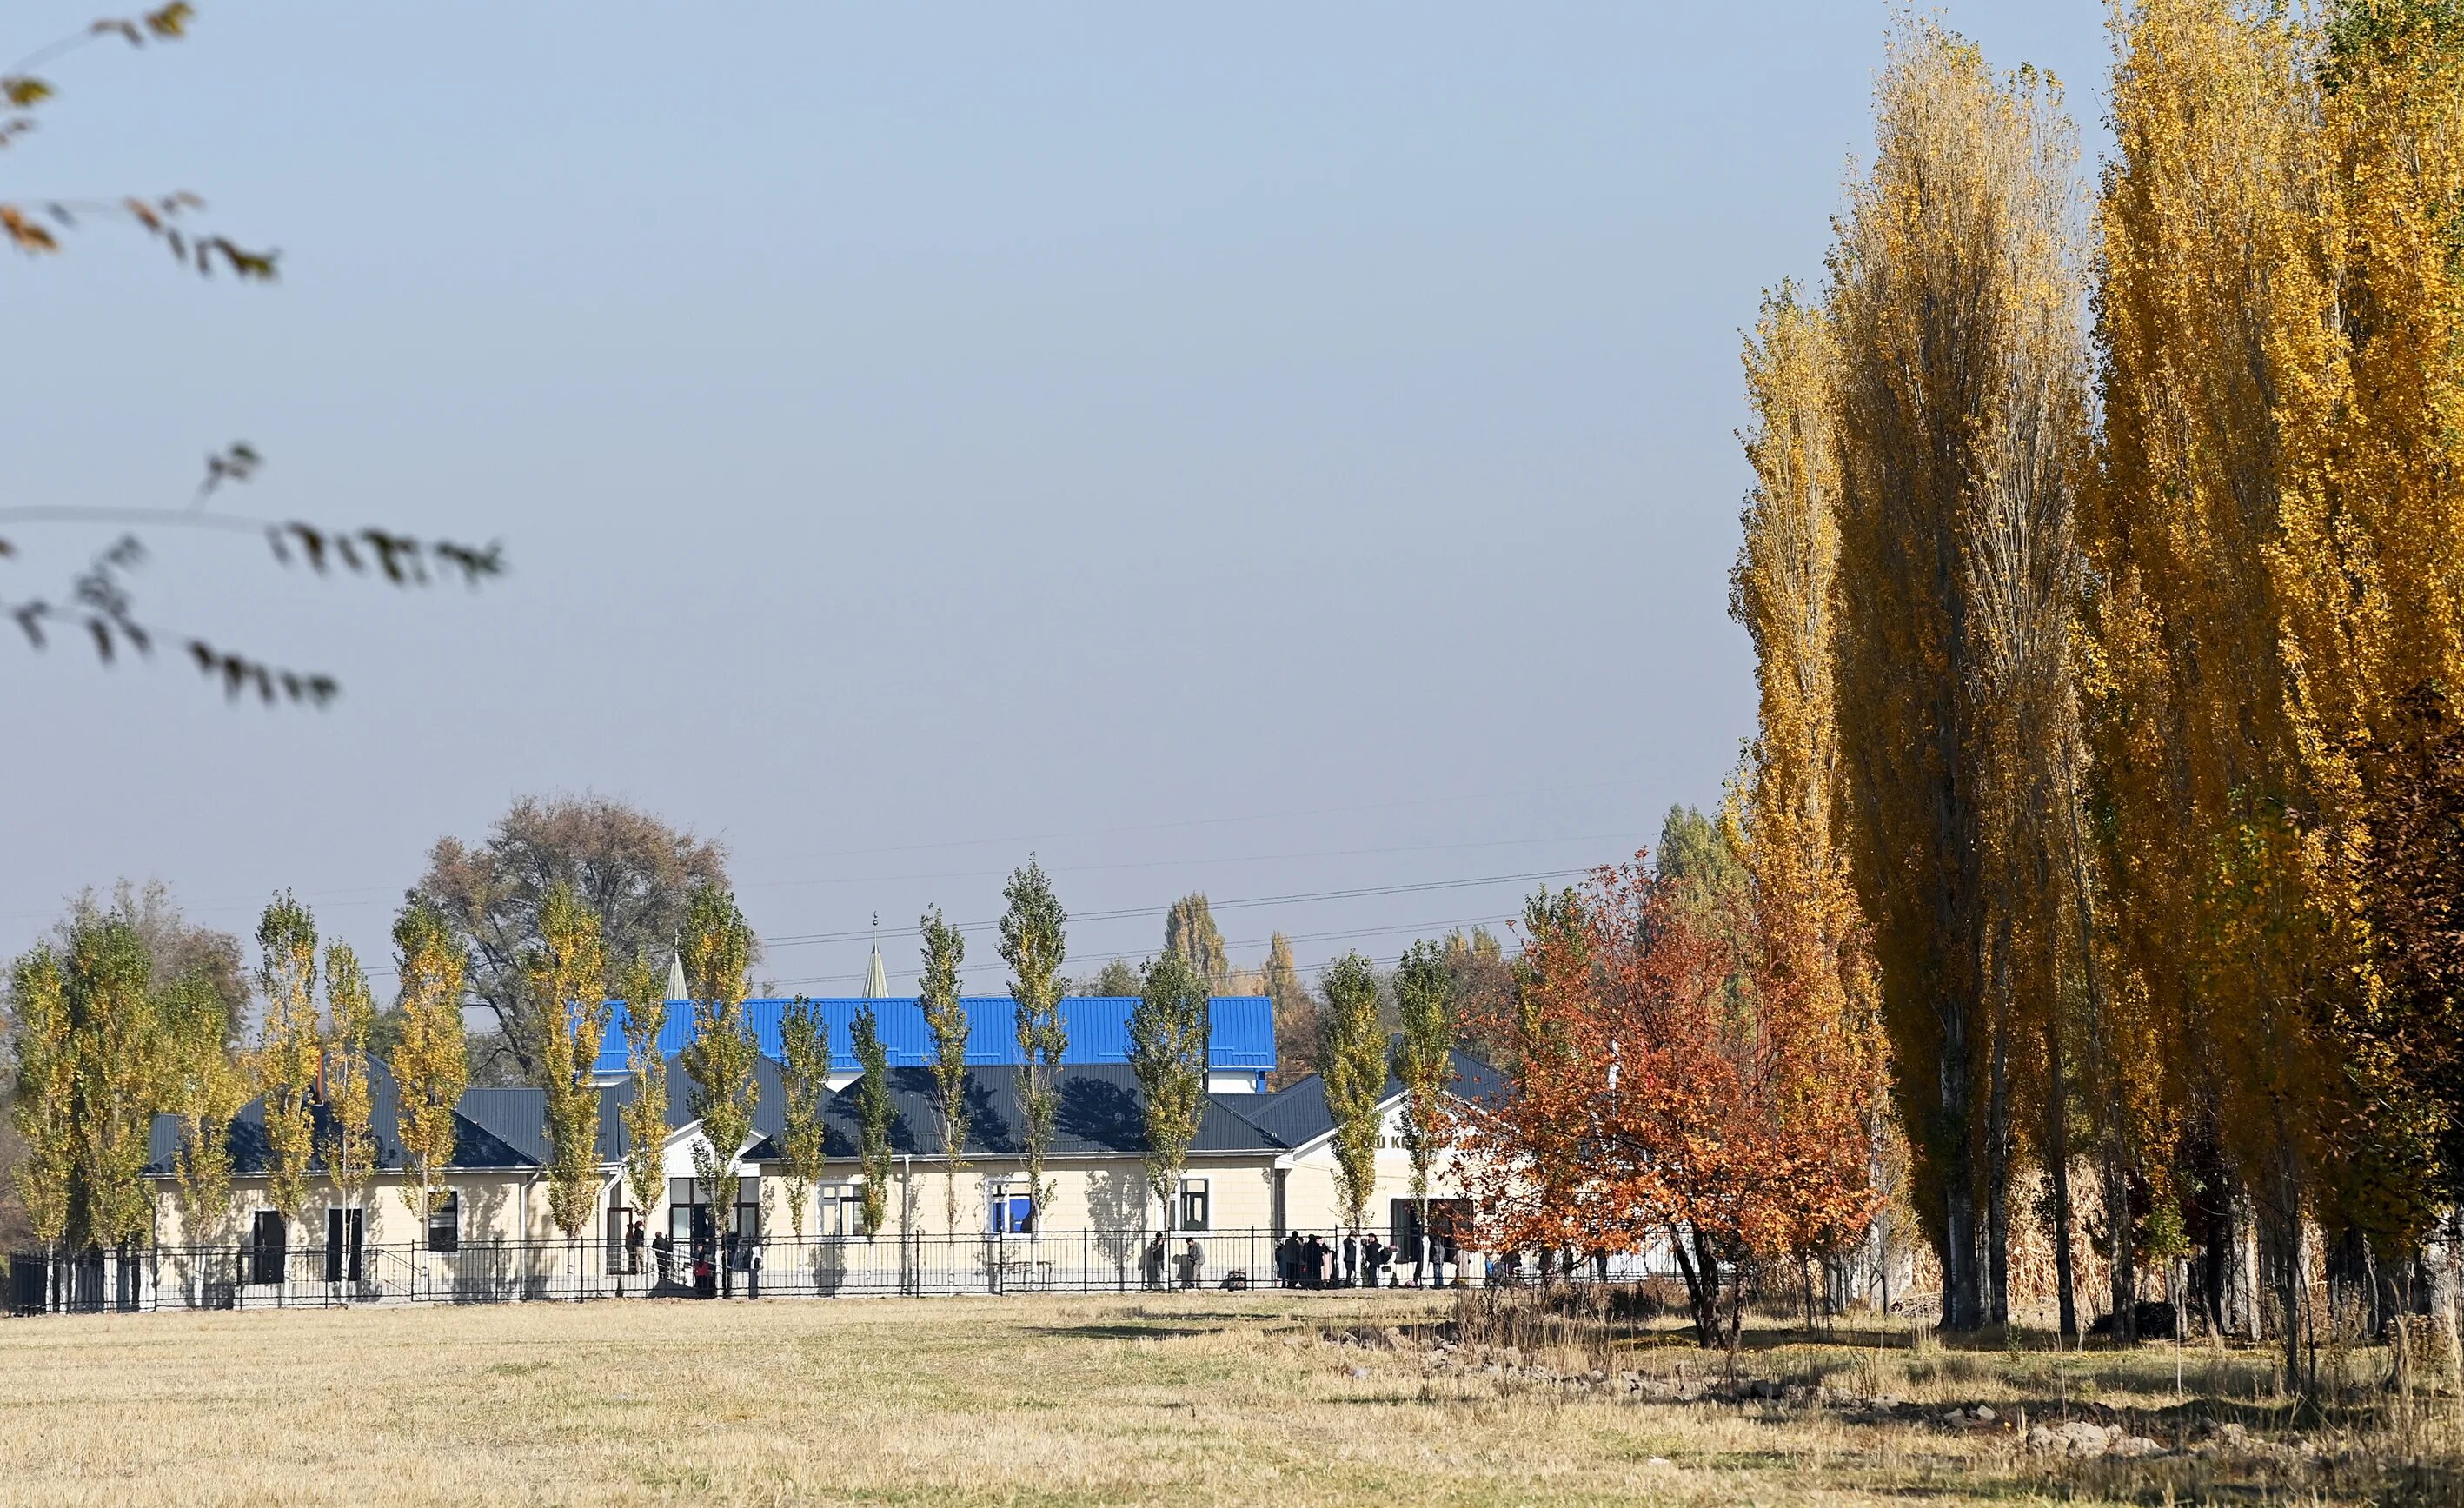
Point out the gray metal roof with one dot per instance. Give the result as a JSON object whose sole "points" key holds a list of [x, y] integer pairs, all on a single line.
{"points": [[492, 1128], [1298, 1114], [1101, 1114]]}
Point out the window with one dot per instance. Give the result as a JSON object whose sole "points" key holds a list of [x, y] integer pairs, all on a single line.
{"points": [[1012, 1211], [445, 1222], [842, 1209], [748, 1207], [1193, 1204]]}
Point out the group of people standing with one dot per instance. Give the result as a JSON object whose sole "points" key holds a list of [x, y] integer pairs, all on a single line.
{"points": [[1356, 1261], [1188, 1265]]}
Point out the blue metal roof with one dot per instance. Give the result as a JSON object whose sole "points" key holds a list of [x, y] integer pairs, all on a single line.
{"points": [[1243, 1037]]}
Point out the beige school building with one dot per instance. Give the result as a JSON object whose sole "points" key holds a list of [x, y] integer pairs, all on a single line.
{"points": [[1261, 1165]]}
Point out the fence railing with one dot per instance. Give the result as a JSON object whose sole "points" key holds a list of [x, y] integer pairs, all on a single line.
{"points": [[249, 1276]]}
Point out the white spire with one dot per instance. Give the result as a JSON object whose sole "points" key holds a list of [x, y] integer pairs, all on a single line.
{"points": [[676, 986]]}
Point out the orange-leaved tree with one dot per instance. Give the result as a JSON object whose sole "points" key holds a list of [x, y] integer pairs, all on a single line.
{"points": [[1652, 1102]]}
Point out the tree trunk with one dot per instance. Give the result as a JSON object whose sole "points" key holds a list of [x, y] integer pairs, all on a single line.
{"points": [[1702, 1290], [1960, 1308], [2293, 1271], [1997, 1143], [2124, 1255], [2057, 1154]]}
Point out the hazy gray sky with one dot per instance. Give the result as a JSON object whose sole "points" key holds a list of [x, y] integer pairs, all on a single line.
{"points": [[1267, 450]]}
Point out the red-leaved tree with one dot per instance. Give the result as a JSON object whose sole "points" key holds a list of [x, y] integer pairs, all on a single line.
{"points": [[1670, 1087]]}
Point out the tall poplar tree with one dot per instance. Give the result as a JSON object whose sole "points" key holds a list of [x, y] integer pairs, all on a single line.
{"points": [[203, 1088], [717, 952], [1189, 930], [1355, 1078], [1424, 1062], [46, 1092], [1787, 813], [946, 1019], [872, 1117], [107, 986], [1033, 944], [567, 972], [804, 1068], [645, 1115], [350, 1150], [1168, 1054], [1298, 1032], [290, 1050], [2218, 320], [1958, 419], [429, 1064]]}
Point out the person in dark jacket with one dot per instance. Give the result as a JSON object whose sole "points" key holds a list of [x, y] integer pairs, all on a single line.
{"points": [[1352, 1259]]}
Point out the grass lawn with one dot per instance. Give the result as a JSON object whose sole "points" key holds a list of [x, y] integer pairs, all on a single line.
{"points": [[1212, 1398]]}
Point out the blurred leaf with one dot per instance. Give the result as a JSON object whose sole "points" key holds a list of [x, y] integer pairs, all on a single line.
{"points": [[24, 234], [24, 91]]}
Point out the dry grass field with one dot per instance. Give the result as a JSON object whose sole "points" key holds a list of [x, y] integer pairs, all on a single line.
{"points": [[1188, 1400]]}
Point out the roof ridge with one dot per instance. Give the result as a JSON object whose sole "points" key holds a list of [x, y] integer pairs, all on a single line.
{"points": [[1224, 1104]]}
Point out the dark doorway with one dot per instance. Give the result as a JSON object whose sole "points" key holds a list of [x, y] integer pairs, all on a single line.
{"points": [[267, 1240], [343, 1246]]}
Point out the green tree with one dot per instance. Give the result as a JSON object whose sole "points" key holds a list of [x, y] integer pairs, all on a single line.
{"points": [[107, 983], [1424, 1060], [717, 951], [1189, 930], [872, 1117], [430, 1063], [46, 1092], [645, 1115], [1033, 944], [946, 1019], [181, 949], [202, 1088], [289, 1047], [1355, 1078], [804, 1053], [1481, 985], [567, 976], [637, 874], [1168, 1054], [1299, 1032], [1115, 980], [351, 1145], [1704, 872]]}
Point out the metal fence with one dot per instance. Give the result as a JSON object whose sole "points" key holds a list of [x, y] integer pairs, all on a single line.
{"points": [[259, 1277]]}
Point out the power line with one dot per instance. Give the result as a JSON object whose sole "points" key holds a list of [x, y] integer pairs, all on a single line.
{"points": [[330, 897], [1082, 959], [1062, 870], [1302, 899], [1215, 822]]}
